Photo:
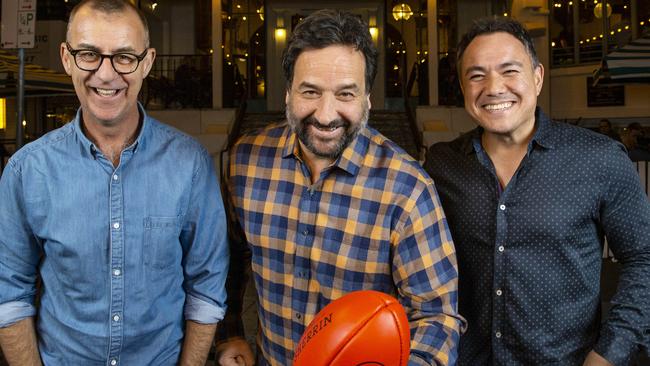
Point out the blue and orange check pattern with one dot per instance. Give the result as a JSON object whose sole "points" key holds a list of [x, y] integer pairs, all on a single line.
{"points": [[371, 221]]}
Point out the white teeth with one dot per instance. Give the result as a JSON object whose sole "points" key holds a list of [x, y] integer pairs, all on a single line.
{"points": [[497, 107], [325, 128], [106, 92]]}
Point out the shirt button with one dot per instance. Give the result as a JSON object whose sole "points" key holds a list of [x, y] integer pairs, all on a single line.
{"points": [[499, 292], [497, 334], [298, 316], [113, 362], [305, 232], [502, 207], [501, 248], [116, 225], [116, 318], [115, 177], [117, 272]]}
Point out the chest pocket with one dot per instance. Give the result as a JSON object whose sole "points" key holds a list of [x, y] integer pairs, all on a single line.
{"points": [[162, 248]]}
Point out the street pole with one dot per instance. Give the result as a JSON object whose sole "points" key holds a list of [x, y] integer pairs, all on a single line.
{"points": [[21, 98]]}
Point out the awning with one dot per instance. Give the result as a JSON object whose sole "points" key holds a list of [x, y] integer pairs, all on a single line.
{"points": [[628, 64], [39, 81]]}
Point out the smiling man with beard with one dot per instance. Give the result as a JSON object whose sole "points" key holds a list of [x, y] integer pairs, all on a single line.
{"points": [[529, 202], [329, 206]]}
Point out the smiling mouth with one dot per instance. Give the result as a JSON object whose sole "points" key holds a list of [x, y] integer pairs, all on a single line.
{"points": [[326, 128], [106, 92], [498, 107]]}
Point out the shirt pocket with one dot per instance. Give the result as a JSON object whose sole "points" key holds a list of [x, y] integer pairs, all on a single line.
{"points": [[162, 248]]}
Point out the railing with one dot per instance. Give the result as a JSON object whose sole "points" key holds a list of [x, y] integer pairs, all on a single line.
{"points": [[566, 56], [417, 135], [179, 81]]}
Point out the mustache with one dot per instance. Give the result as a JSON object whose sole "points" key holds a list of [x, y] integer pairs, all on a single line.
{"points": [[311, 120]]}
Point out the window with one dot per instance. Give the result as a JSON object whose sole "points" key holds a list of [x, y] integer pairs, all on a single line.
{"points": [[583, 31]]}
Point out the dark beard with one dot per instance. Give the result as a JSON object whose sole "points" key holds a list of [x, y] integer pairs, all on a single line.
{"points": [[301, 128]]}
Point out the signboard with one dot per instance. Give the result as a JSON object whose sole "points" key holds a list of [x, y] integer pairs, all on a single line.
{"points": [[18, 23], [47, 43], [603, 95]]}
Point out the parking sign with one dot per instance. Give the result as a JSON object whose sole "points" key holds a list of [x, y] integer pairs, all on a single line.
{"points": [[18, 23]]}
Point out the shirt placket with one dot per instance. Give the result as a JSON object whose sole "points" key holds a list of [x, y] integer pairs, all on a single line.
{"points": [[116, 252], [500, 248], [499, 287], [305, 239], [498, 295]]}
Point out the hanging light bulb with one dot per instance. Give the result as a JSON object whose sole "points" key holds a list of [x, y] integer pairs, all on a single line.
{"points": [[402, 12], [598, 10]]}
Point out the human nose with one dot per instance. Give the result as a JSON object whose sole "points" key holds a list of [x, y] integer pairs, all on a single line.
{"points": [[495, 85], [105, 70], [326, 109]]}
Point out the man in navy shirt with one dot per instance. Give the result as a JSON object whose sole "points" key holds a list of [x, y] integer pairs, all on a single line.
{"points": [[529, 202]]}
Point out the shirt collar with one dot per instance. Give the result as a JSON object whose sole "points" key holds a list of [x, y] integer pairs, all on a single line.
{"points": [[92, 149], [350, 160], [542, 137]]}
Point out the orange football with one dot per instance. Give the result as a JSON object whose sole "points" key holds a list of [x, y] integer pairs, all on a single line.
{"points": [[361, 328]]}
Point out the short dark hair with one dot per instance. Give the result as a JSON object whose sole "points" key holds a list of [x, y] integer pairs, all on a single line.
{"points": [[493, 25], [325, 28], [636, 126], [110, 7]]}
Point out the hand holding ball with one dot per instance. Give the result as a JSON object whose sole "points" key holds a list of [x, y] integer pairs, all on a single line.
{"points": [[361, 328]]}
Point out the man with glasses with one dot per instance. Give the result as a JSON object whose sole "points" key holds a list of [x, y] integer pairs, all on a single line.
{"points": [[119, 215]]}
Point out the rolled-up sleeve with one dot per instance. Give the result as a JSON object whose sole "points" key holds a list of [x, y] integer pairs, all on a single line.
{"points": [[205, 247], [19, 251]]}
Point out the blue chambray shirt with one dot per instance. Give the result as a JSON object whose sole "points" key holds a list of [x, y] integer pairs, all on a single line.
{"points": [[125, 254]]}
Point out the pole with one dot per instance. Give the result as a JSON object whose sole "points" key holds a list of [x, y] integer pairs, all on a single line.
{"points": [[20, 98]]}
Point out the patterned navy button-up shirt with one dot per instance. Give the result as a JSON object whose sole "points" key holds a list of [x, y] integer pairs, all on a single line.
{"points": [[530, 255]]}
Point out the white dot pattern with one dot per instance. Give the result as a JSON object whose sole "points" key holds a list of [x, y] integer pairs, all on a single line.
{"points": [[530, 256]]}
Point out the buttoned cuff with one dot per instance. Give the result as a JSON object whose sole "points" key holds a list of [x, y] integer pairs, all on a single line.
{"points": [[15, 311], [202, 311], [617, 350]]}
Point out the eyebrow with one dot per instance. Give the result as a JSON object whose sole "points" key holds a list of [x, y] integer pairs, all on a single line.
{"points": [[502, 66], [87, 46], [308, 85]]}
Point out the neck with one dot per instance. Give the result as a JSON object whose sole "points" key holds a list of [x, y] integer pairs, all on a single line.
{"points": [[506, 152], [315, 163], [111, 139]]}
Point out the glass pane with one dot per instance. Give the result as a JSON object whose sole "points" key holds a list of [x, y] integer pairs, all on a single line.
{"points": [[620, 27], [643, 18], [590, 32], [406, 45], [448, 83], [562, 34], [244, 49]]}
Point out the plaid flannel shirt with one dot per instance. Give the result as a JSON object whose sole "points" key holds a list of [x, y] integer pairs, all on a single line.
{"points": [[371, 221]]}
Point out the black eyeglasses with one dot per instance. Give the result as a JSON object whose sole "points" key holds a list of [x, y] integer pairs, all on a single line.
{"points": [[89, 60]]}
